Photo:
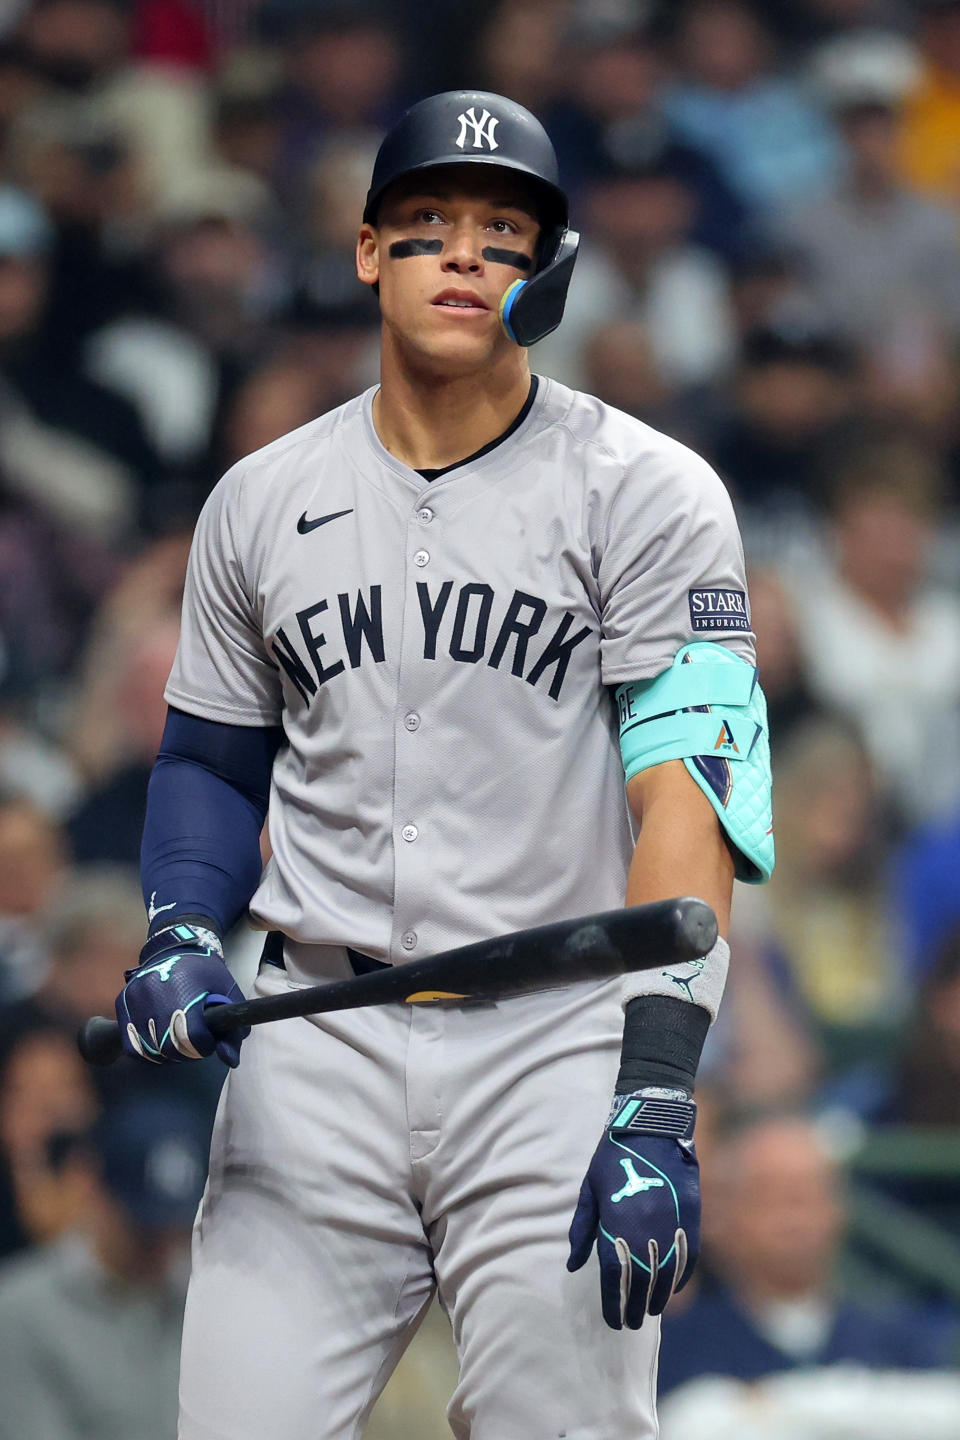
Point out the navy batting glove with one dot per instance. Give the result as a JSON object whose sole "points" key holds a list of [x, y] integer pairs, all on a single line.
{"points": [[160, 1009], [640, 1202]]}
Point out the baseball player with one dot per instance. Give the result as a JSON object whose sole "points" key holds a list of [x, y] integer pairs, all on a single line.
{"points": [[430, 634]]}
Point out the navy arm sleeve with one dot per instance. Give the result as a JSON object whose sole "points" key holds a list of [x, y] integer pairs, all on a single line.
{"points": [[206, 804]]}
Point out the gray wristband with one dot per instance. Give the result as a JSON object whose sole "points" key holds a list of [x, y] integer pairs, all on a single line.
{"points": [[654, 1110]]}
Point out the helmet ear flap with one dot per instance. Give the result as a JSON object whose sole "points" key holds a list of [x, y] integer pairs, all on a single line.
{"points": [[531, 309]]}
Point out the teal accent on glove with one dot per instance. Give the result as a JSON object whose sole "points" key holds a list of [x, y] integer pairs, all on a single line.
{"points": [[640, 1206], [160, 1009], [709, 711]]}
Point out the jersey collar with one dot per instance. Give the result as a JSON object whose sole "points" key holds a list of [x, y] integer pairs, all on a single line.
{"points": [[496, 453]]}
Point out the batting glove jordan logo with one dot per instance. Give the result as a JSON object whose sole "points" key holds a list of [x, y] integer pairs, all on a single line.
{"points": [[160, 1010], [640, 1204]]}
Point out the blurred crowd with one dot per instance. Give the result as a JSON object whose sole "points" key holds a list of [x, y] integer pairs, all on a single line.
{"points": [[769, 196]]}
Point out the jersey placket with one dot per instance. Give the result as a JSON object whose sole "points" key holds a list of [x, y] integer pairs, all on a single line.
{"points": [[413, 719]]}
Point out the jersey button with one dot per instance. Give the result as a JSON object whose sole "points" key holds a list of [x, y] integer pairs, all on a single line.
{"points": [[409, 939], [410, 833], [412, 721], [421, 558], [425, 515]]}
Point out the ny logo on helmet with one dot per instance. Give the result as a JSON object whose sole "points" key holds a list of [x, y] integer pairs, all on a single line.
{"points": [[482, 128]]}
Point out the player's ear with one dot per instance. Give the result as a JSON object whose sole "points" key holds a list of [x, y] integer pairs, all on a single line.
{"points": [[368, 255]]}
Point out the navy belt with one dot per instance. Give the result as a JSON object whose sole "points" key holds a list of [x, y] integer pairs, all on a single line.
{"points": [[364, 964], [273, 955]]}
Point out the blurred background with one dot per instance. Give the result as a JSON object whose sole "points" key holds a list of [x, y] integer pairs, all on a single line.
{"points": [[770, 201]]}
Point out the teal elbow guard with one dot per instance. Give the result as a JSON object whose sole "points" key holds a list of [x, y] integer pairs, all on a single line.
{"points": [[709, 711]]}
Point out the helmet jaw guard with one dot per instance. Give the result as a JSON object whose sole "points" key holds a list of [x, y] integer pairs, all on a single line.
{"points": [[531, 309], [477, 127]]}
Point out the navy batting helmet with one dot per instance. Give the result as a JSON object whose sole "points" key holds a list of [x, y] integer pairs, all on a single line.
{"points": [[474, 127]]}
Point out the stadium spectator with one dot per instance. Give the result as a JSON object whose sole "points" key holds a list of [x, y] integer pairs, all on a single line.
{"points": [[930, 149], [106, 72], [872, 235], [803, 23], [220, 284], [521, 52], [774, 1233], [343, 71], [90, 1324], [770, 141], [644, 266], [326, 299], [832, 1403], [82, 170], [764, 284], [619, 364], [912, 381], [780, 660], [76, 43], [281, 395], [610, 111], [171, 33], [246, 126], [49, 580], [927, 896], [792, 394], [762, 1051], [120, 710], [73, 449], [20, 84], [84, 939], [881, 643], [926, 1085], [88, 934], [33, 765], [825, 914], [33, 869], [46, 1091]]}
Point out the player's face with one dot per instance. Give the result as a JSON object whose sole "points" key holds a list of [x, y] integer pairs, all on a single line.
{"points": [[445, 249]]}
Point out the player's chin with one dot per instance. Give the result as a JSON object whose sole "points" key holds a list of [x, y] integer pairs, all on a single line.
{"points": [[467, 345]]}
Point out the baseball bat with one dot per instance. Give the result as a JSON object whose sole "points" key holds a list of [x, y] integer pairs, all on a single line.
{"points": [[593, 947]]}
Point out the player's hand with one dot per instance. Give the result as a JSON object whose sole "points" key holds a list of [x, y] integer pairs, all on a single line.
{"points": [[640, 1202], [160, 1009]]}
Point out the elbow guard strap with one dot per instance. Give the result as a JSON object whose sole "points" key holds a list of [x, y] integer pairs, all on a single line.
{"points": [[709, 711]]}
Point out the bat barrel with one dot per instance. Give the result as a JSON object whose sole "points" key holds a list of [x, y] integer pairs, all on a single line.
{"points": [[696, 927]]}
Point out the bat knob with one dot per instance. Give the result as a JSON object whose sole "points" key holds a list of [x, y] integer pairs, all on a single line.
{"points": [[98, 1041]]}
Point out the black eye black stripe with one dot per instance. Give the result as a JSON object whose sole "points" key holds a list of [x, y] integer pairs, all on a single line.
{"points": [[516, 258], [404, 249]]}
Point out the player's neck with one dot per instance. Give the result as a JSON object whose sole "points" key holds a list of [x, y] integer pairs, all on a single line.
{"points": [[429, 421]]}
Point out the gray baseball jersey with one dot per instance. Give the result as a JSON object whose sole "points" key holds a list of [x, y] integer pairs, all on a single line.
{"points": [[439, 655]]}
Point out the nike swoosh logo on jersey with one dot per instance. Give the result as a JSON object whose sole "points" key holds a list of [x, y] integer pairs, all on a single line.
{"points": [[304, 526]]}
